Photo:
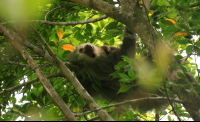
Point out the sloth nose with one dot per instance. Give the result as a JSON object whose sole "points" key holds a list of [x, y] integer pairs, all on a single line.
{"points": [[89, 46]]}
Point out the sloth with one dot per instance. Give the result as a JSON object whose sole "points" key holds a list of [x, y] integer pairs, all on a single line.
{"points": [[93, 65]]}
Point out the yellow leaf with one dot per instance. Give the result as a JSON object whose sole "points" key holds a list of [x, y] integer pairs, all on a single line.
{"points": [[171, 21], [60, 34], [76, 109], [183, 34], [150, 11], [141, 1], [68, 47]]}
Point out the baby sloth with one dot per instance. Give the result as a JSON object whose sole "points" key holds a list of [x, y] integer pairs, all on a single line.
{"points": [[93, 65]]}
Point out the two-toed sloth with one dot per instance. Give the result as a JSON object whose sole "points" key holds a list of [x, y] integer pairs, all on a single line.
{"points": [[93, 65]]}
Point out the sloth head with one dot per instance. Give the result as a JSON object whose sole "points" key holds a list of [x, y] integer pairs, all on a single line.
{"points": [[89, 52]]}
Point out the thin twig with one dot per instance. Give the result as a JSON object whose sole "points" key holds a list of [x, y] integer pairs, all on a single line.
{"points": [[29, 82], [127, 102], [59, 23], [57, 8]]}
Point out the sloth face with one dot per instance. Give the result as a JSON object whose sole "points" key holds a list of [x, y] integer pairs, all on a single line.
{"points": [[89, 52]]}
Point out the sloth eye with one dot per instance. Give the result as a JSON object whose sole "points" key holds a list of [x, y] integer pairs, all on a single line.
{"points": [[81, 50]]}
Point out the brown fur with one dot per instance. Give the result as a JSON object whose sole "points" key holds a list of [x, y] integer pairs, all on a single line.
{"points": [[93, 66]]}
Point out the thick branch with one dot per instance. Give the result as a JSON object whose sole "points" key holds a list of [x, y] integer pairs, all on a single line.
{"points": [[48, 87], [138, 21], [77, 85]]}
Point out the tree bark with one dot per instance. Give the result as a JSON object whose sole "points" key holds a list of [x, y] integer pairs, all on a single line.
{"points": [[138, 21], [48, 87]]}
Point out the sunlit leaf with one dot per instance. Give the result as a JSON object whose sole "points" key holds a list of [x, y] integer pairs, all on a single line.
{"points": [[150, 11], [141, 1], [124, 88], [189, 49], [171, 21], [197, 44], [68, 47], [124, 76], [76, 109], [182, 34], [60, 34]]}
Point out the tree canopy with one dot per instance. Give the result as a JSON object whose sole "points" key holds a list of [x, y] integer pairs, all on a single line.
{"points": [[37, 36]]}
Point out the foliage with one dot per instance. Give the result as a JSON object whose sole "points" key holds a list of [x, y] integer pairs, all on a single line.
{"points": [[176, 22]]}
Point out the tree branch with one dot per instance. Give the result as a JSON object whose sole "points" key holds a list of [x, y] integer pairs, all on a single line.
{"points": [[60, 7], [48, 87], [79, 88], [59, 23], [19, 112], [25, 65], [28, 83], [138, 21], [127, 102]]}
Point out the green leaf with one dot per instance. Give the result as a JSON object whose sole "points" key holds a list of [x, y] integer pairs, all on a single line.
{"points": [[181, 75], [40, 90], [178, 57], [166, 22], [154, 7], [172, 15], [40, 101], [189, 49], [114, 115], [168, 85], [164, 113], [131, 73], [182, 41], [181, 85], [161, 2], [111, 25], [124, 88], [170, 29], [127, 67], [169, 118], [65, 98], [197, 44], [124, 76], [197, 88], [66, 54], [89, 29], [197, 21], [185, 114], [117, 67], [183, 69], [125, 80], [198, 53], [157, 80], [52, 43], [45, 35]]}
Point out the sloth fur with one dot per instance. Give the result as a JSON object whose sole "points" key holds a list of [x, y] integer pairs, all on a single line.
{"points": [[93, 65]]}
